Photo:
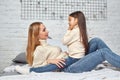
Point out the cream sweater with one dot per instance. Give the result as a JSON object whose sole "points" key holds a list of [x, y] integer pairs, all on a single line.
{"points": [[45, 52], [72, 40]]}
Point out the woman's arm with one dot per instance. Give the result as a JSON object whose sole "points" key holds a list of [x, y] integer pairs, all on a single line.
{"points": [[39, 57]]}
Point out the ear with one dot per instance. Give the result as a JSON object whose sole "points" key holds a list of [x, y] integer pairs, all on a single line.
{"points": [[76, 20]]}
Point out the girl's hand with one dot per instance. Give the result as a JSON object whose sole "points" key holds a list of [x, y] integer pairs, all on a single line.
{"points": [[59, 62], [70, 27], [66, 52]]}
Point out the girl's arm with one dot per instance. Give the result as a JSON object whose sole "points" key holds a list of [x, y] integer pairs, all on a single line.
{"points": [[69, 37]]}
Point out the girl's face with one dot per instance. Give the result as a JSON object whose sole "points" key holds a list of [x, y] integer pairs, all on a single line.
{"points": [[72, 21], [43, 33]]}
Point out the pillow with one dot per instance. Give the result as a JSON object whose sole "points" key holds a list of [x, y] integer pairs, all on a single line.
{"points": [[20, 58]]}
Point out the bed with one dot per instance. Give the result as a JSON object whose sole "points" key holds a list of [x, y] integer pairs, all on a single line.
{"points": [[104, 71], [102, 74]]}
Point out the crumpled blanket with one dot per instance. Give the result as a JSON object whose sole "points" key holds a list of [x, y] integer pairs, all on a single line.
{"points": [[103, 74], [100, 66]]}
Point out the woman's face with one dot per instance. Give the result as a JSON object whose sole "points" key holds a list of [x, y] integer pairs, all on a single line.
{"points": [[72, 21], [43, 33]]}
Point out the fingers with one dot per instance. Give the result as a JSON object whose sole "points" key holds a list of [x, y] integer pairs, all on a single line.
{"points": [[60, 63]]}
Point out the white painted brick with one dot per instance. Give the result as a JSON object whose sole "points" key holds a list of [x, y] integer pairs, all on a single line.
{"points": [[13, 30]]}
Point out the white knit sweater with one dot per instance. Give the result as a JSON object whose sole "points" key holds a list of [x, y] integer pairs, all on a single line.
{"points": [[44, 52], [72, 40]]}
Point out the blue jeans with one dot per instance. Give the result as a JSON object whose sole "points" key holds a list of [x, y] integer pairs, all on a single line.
{"points": [[53, 67], [98, 52]]}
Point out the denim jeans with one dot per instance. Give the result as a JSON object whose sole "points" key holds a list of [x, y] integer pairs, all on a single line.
{"points": [[98, 52], [53, 67]]}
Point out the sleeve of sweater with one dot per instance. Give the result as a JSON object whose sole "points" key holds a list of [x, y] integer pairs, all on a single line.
{"points": [[62, 56], [69, 37], [39, 57]]}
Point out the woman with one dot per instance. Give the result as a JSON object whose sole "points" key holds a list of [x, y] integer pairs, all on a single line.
{"points": [[39, 53]]}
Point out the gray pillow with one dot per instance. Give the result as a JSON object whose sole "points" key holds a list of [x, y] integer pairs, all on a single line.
{"points": [[20, 58]]}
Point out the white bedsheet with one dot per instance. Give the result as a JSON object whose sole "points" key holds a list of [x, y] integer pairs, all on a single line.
{"points": [[103, 74]]}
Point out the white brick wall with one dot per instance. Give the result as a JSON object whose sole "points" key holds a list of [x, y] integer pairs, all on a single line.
{"points": [[13, 30]]}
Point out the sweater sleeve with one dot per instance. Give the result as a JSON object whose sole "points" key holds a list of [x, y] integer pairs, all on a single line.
{"points": [[62, 55], [69, 37], [39, 57]]}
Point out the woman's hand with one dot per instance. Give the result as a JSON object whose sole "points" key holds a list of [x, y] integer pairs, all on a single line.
{"points": [[59, 62]]}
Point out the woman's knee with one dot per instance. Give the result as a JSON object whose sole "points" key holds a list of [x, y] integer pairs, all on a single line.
{"points": [[96, 39]]}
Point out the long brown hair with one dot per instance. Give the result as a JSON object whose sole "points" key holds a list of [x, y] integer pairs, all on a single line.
{"points": [[82, 27], [33, 40]]}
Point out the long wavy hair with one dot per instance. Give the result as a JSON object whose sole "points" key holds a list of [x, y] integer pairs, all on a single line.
{"points": [[82, 27], [33, 41]]}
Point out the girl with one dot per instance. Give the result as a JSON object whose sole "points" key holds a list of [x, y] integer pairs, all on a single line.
{"points": [[97, 53], [76, 40], [76, 37]]}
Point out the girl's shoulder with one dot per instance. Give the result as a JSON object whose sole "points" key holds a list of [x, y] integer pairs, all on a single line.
{"points": [[75, 30]]}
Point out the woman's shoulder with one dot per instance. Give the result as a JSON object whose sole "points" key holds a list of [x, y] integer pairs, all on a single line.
{"points": [[39, 48], [48, 46]]}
